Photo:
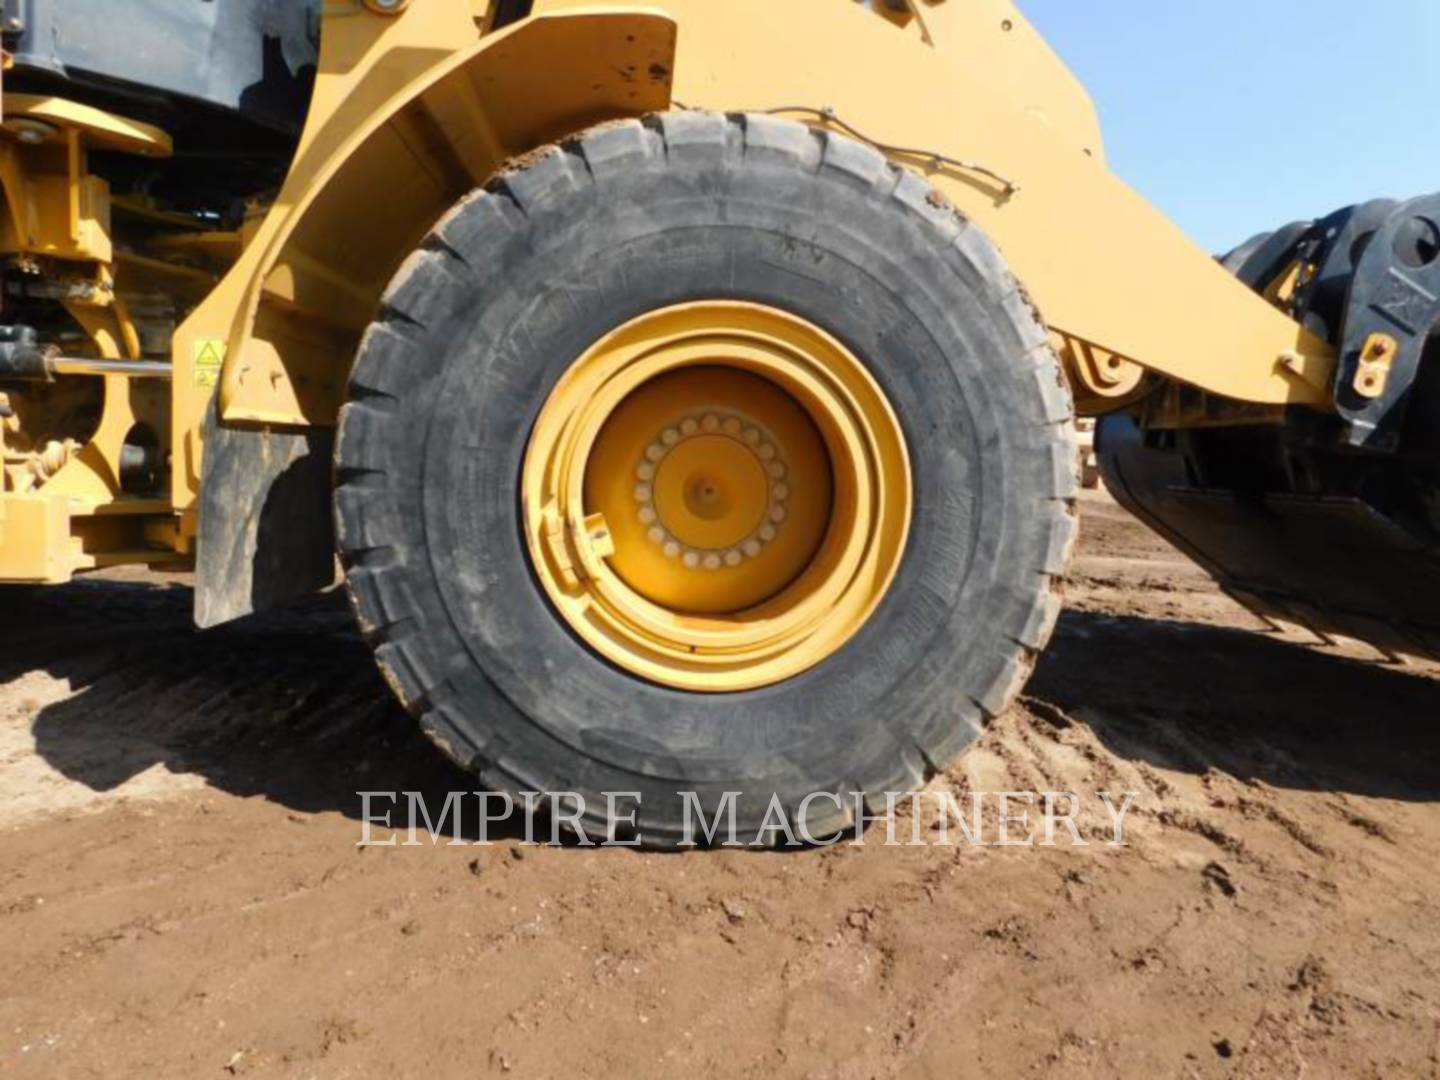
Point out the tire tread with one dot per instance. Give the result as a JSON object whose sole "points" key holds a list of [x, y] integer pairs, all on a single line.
{"points": [[369, 504]]}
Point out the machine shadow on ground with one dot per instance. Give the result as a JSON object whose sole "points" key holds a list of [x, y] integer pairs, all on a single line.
{"points": [[287, 706], [1194, 697], [290, 707]]}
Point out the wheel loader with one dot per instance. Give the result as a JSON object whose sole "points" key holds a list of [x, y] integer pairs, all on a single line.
{"points": [[684, 392]]}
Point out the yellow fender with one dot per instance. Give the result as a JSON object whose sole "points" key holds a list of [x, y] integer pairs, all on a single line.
{"points": [[410, 112]]}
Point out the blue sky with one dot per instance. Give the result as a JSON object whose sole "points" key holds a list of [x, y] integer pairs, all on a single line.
{"points": [[1236, 117]]}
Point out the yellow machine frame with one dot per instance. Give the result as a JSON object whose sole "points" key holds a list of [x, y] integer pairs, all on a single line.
{"points": [[419, 101]]}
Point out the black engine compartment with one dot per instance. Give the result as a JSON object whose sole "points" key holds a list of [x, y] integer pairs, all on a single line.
{"points": [[229, 80]]}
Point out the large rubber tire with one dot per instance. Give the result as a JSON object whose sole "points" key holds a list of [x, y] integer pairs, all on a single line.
{"points": [[518, 281]]}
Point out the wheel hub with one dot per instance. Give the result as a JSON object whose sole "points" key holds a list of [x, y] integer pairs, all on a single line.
{"points": [[713, 494], [706, 519], [716, 496]]}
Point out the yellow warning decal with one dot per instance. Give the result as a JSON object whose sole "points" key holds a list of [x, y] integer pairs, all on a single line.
{"points": [[209, 358]]}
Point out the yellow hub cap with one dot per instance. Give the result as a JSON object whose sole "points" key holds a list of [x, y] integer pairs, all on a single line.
{"points": [[716, 496], [716, 488]]}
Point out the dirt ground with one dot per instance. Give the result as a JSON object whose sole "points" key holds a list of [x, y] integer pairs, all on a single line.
{"points": [[181, 893]]}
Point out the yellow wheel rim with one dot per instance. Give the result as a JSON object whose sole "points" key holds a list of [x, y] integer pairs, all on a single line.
{"points": [[717, 496]]}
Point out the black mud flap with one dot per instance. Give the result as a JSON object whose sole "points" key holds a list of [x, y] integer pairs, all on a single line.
{"points": [[266, 531]]}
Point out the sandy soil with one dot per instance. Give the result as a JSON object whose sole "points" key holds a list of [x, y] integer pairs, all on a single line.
{"points": [[181, 894]]}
